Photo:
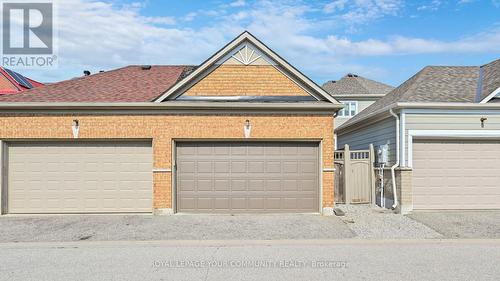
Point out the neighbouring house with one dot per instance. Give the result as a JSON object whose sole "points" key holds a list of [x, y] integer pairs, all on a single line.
{"points": [[244, 132], [12, 82], [442, 127], [356, 93]]}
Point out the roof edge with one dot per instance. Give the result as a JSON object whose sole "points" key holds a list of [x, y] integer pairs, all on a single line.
{"points": [[359, 96], [419, 105], [171, 106], [490, 96], [370, 115]]}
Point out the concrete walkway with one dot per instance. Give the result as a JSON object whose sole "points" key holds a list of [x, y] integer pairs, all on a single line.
{"points": [[177, 227], [369, 222]]}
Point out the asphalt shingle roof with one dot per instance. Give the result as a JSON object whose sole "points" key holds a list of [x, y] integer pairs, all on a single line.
{"points": [[353, 84], [440, 84], [491, 78], [127, 84]]}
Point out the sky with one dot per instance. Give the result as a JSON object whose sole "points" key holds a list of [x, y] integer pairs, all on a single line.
{"points": [[385, 40]]}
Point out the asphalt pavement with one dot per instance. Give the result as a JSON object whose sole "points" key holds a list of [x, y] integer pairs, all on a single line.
{"points": [[347, 259]]}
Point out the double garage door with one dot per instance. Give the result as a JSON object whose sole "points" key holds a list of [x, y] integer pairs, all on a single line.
{"points": [[456, 174], [247, 177], [116, 176], [79, 177]]}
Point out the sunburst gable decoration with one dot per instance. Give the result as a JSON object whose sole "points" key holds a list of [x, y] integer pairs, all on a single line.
{"points": [[246, 55]]}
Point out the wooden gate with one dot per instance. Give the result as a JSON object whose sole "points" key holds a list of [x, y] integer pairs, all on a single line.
{"points": [[354, 176]]}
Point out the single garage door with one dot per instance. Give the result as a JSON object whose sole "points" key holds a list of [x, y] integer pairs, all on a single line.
{"points": [[247, 177], [456, 174], [79, 177]]}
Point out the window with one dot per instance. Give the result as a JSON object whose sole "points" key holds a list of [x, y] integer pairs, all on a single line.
{"points": [[350, 109]]}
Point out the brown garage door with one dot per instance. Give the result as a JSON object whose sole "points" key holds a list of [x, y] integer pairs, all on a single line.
{"points": [[79, 177], [456, 174], [250, 177]]}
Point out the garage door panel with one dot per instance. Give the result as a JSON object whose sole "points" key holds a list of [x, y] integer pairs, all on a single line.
{"points": [[248, 177], [255, 166], [79, 177], [456, 174], [256, 150]]}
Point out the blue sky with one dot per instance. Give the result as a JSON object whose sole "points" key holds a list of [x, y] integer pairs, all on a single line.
{"points": [[386, 40]]}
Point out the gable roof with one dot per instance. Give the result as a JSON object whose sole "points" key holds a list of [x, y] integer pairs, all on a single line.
{"points": [[448, 84], [127, 84], [352, 84], [246, 36]]}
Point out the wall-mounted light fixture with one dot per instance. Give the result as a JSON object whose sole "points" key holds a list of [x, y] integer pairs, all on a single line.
{"points": [[76, 128], [247, 128], [482, 121]]}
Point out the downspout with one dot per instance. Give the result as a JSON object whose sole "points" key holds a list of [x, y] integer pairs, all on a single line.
{"points": [[334, 148], [334, 135], [393, 172]]}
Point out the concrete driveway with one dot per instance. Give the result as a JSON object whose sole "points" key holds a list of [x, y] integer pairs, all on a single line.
{"points": [[462, 224], [177, 227]]}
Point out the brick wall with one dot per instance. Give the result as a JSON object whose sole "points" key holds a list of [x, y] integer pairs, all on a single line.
{"points": [[161, 129], [242, 80]]}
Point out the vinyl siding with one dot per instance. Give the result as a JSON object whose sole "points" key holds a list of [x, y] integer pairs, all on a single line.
{"points": [[449, 122], [380, 133]]}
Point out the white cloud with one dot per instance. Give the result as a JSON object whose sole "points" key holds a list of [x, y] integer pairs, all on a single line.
{"points": [[462, 2], [160, 20], [431, 6], [190, 16], [399, 45], [355, 13], [337, 5], [238, 3], [97, 35]]}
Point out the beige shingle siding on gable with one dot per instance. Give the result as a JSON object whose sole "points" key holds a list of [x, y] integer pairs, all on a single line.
{"points": [[250, 80]]}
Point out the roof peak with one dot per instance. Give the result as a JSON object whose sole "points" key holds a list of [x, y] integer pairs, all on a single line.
{"points": [[354, 84]]}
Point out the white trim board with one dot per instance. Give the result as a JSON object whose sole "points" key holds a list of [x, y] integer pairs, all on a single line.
{"points": [[453, 111], [447, 134], [490, 96], [345, 102]]}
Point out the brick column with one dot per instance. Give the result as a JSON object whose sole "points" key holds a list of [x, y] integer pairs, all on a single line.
{"points": [[405, 189]]}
